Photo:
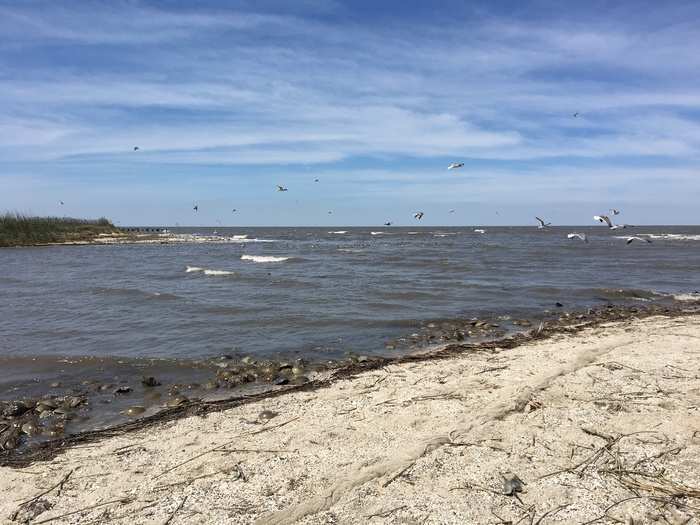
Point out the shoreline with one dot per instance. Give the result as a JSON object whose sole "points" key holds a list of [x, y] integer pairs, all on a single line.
{"points": [[251, 380], [586, 417]]}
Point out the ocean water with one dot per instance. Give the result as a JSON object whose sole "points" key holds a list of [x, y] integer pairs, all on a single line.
{"points": [[312, 292]]}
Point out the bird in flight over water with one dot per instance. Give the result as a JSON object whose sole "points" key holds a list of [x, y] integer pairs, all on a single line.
{"points": [[418, 215], [576, 115], [631, 239], [281, 188], [581, 236], [315, 180], [543, 224], [605, 219], [136, 148], [234, 210], [455, 165], [61, 203], [614, 211], [388, 223], [195, 207]]}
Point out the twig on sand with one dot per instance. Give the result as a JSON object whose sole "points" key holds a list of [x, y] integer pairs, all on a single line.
{"points": [[552, 512], [385, 513], [251, 450], [491, 369], [224, 445], [397, 475], [123, 501], [170, 518], [591, 432], [58, 486]]}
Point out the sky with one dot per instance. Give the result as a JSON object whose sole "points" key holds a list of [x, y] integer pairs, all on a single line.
{"points": [[227, 99]]}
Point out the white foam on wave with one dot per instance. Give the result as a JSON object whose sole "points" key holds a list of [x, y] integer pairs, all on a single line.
{"points": [[218, 272], [207, 271], [672, 236], [377, 233], [239, 237], [412, 233], [692, 296], [339, 232], [263, 258]]}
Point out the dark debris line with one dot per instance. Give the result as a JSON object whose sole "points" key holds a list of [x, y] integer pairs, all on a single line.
{"points": [[567, 323]]}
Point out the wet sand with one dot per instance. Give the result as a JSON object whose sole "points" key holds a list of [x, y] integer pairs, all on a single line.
{"points": [[603, 424]]}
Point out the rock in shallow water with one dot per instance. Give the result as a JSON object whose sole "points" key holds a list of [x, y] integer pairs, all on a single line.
{"points": [[134, 411], [150, 381], [176, 401]]}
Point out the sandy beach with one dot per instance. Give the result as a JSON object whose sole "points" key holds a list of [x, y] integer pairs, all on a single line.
{"points": [[600, 426]]}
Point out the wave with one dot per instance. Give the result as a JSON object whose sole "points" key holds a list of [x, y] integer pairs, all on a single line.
{"points": [[135, 292], [340, 232], [692, 296], [672, 236], [207, 271], [240, 237], [218, 272], [377, 233], [263, 258]]}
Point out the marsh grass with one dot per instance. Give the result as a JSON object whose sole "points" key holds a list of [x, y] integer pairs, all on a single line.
{"points": [[21, 230]]}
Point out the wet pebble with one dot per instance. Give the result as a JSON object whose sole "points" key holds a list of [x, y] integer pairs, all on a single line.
{"points": [[134, 411], [267, 415], [176, 401], [150, 381]]}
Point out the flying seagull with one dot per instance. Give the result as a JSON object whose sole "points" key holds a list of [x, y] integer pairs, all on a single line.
{"points": [[455, 165], [581, 236], [388, 223], [61, 203], [234, 210], [631, 239], [605, 219], [136, 148], [315, 180], [196, 207], [614, 211], [451, 211], [576, 114], [281, 188], [330, 212], [543, 224], [418, 215]]}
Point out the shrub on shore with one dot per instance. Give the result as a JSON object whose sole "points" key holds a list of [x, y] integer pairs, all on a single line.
{"points": [[22, 230]]}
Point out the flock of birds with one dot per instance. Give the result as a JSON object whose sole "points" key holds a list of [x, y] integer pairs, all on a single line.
{"points": [[542, 224]]}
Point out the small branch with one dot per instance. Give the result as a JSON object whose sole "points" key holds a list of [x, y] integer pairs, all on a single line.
{"points": [[399, 474], [91, 507], [170, 518], [385, 513], [58, 486]]}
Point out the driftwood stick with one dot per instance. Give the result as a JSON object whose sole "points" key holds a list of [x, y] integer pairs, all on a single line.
{"points": [[170, 518], [58, 486], [91, 507], [223, 446]]}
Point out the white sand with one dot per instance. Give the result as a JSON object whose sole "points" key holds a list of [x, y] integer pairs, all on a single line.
{"points": [[420, 443]]}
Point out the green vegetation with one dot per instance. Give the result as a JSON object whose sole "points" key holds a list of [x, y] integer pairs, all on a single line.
{"points": [[20, 230]]}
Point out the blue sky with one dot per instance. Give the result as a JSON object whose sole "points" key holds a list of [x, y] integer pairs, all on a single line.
{"points": [[374, 99]]}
